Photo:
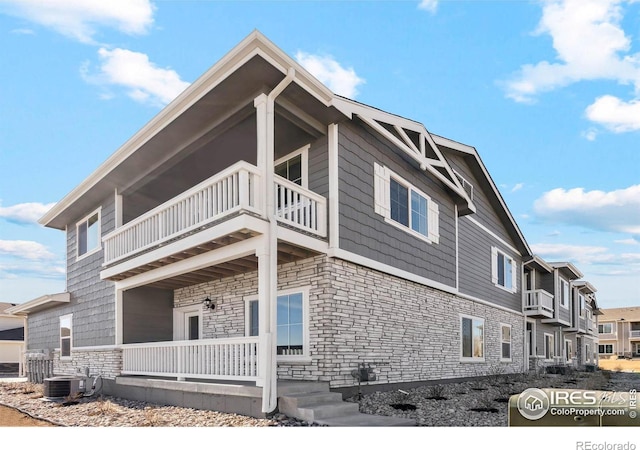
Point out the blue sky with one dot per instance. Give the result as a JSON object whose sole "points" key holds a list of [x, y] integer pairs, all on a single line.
{"points": [[548, 92]]}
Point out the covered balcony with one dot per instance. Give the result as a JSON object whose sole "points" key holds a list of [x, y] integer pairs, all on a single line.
{"points": [[538, 303]]}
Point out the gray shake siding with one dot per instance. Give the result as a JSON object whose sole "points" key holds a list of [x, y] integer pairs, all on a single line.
{"points": [[366, 233], [92, 300]]}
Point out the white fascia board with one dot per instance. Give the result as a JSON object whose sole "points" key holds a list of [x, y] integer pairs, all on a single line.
{"points": [[541, 262], [27, 307], [568, 266]]}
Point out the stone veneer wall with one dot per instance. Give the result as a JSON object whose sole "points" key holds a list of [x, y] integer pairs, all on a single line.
{"points": [[107, 362], [406, 331]]}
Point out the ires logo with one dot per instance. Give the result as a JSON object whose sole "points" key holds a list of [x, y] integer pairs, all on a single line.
{"points": [[533, 403]]}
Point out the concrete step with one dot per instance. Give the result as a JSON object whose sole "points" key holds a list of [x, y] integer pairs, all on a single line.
{"points": [[327, 408]]}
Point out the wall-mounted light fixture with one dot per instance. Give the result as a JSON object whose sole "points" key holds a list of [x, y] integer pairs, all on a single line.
{"points": [[209, 304]]}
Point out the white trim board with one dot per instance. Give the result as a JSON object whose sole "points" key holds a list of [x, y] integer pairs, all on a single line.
{"points": [[493, 235]]}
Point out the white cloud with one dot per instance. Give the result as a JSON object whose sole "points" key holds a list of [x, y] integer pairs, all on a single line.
{"points": [[25, 212], [630, 241], [617, 210], [142, 79], [429, 5], [517, 187], [615, 114], [34, 268], [26, 31], [590, 135], [590, 44], [580, 254], [25, 250], [80, 19], [342, 81]]}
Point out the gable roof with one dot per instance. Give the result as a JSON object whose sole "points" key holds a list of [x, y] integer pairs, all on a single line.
{"points": [[629, 314], [496, 198]]}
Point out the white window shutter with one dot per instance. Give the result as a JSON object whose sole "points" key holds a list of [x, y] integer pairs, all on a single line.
{"points": [[514, 276], [494, 265], [433, 226], [382, 188]]}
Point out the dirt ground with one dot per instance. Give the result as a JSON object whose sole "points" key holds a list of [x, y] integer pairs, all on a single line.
{"points": [[10, 417], [620, 365]]}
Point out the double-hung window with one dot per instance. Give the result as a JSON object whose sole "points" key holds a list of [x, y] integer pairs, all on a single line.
{"points": [[88, 234], [605, 349], [505, 340], [549, 346], [503, 270], [405, 206], [581, 304], [66, 324], [472, 338]]}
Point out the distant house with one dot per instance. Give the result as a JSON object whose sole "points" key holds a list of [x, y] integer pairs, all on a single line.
{"points": [[619, 332], [261, 229], [12, 342]]}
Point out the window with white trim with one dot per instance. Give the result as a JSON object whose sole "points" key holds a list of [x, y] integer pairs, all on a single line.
{"points": [[564, 293], [66, 336], [88, 234], [472, 338], [505, 340], [605, 328], [568, 350], [405, 206], [503, 270], [605, 349], [292, 323], [294, 166], [581, 304], [549, 343]]}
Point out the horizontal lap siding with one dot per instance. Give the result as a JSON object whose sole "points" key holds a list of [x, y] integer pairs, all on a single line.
{"points": [[92, 300], [474, 248], [365, 233]]}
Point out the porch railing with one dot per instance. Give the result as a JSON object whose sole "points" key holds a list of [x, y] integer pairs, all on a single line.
{"points": [[538, 300], [228, 191], [299, 207], [224, 359]]}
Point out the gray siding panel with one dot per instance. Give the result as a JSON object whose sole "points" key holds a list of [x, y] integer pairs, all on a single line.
{"points": [[319, 167], [147, 315], [366, 233], [474, 248], [92, 300]]}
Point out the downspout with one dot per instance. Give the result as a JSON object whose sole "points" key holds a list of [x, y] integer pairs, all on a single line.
{"points": [[269, 389]]}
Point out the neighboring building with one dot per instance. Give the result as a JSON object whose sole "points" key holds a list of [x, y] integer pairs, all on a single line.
{"points": [[561, 311], [262, 228], [619, 332], [11, 341]]}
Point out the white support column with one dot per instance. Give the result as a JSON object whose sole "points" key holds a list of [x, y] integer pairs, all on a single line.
{"points": [[118, 318], [334, 192], [118, 209], [260, 103]]}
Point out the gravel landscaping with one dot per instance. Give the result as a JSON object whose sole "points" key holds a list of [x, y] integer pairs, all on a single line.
{"points": [[481, 403]]}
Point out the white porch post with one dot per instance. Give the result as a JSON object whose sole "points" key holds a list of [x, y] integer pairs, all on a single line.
{"points": [[118, 318]]}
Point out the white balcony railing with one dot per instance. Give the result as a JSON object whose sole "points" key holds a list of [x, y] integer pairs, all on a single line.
{"points": [[538, 300], [228, 191], [224, 359], [635, 334], [300, 207]]}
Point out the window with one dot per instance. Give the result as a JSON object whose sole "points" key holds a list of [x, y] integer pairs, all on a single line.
{"points": [[505, 338], [88, 234], [294, 166], [605, 349], [549, 343], [187, 323], [291, 323], [564, 293], [503, 267], [605, 328], [581, 302], [468, 187], [65, 336], [472, 332], [405, 206], [568, 350]]}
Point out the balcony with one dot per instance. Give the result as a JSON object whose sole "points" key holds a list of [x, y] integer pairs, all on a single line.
{"points": [[634, 334], [222, 209], [538, 303]]}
